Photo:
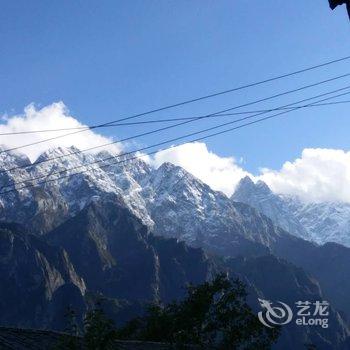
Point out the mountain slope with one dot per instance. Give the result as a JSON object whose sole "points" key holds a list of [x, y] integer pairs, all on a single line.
{"points": [[116, 254], [260, 197], [103, 222], [32, 273], [328, 263], [318, 222], [326, 222], [260, 275], [42, 208], [182, 206], [118, 258]]}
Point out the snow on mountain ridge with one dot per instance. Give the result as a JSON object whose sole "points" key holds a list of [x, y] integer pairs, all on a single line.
{"points": [[184, 207], [318, 222], [326, 222], [169, 200], [259, 196], [62, 173]]}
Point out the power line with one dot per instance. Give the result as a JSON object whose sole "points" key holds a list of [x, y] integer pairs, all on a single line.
{"points": [[218, 114], [332, 103], [197, 118], [242, 87], [169, 141], [147, 154], [156, 121]]}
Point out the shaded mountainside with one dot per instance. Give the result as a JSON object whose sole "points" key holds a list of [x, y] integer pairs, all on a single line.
{"points": [[119, 261], [328, 263], [275, 279], [129, 235], [32, 273], [103, 252], [128, 261]]}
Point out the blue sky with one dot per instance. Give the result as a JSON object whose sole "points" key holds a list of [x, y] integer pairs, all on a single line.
{"points": [[109, 59]]}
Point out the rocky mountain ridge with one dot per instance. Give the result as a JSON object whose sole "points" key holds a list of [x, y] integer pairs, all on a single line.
{"points": [[133, 234], [318, 222]]}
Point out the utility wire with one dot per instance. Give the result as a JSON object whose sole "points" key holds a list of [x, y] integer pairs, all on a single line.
{"points": [[160, 144], [166, 128], [147, 154], [156, 121], [242, 87], [198, 118]]}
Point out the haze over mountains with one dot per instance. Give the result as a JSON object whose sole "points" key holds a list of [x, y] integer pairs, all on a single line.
{"points": [[134, 234]]}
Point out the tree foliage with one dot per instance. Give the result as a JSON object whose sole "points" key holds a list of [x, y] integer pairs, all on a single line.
{"points": [[69, 340], [100, 332], [213, 315]]}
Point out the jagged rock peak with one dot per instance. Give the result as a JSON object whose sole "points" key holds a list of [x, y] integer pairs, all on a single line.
{"points": [[246, 181], [263, 187], [15, 157], [246, 187], [169, 167], [57, 152], [170, 173]]}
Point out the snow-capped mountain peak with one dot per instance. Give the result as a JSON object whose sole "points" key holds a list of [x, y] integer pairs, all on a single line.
{"points": [[260, 197], [10, 159], [318, 222], [169, 200]]}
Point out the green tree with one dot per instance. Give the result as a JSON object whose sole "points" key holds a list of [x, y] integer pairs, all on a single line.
{"points": [[69, 340], [213, 315], [99, 331]]}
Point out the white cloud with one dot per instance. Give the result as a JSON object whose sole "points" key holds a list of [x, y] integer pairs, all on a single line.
{"points": [[318, 175], [220, 173], [54, 116]]}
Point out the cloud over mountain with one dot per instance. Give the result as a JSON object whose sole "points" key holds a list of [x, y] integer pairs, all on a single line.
{"points": [[220, 173], [318, 175], [53, 116]]}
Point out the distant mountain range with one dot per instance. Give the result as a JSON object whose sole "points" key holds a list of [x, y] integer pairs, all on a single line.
{"points": [[132, 234], [318, 222]]}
